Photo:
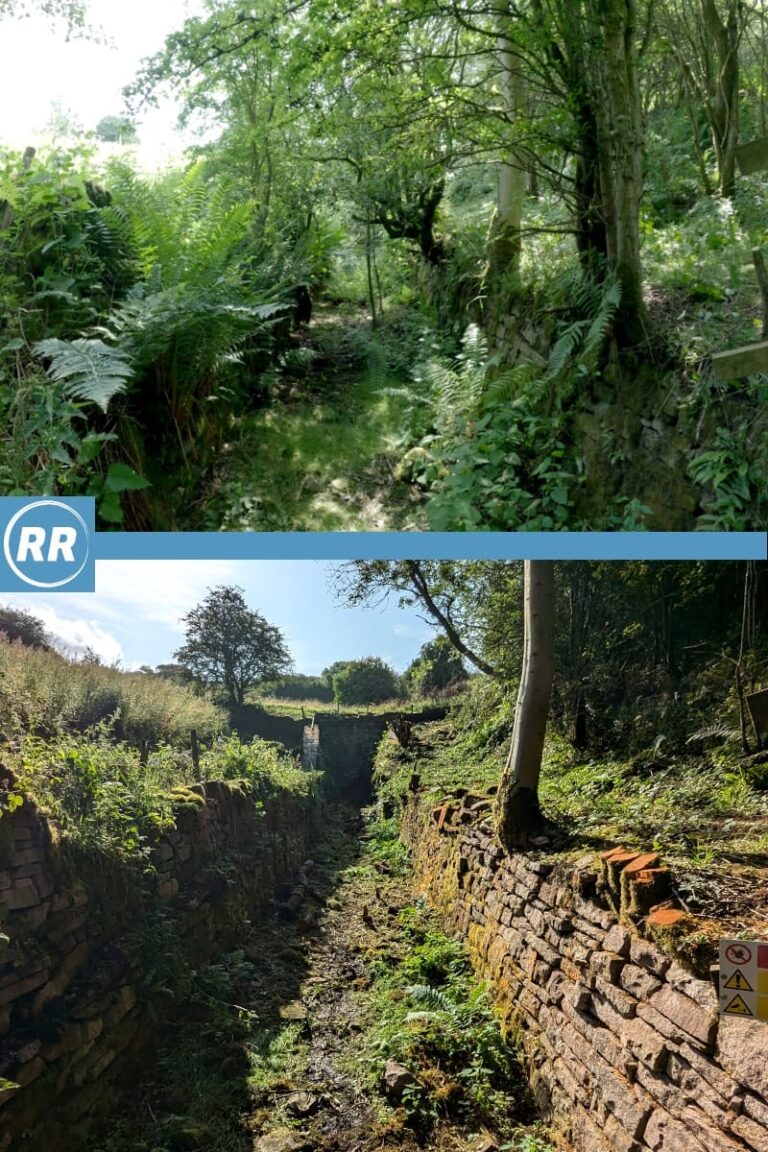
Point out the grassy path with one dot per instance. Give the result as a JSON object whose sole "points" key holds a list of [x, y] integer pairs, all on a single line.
{"points": [[321, 456]]}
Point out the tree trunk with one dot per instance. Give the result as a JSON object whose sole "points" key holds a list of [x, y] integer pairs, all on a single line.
{"points": [[620, 134], [518, 814], [504, 240], [369, 273], [723, 103]]}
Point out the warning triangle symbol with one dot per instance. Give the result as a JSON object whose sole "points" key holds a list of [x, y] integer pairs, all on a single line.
{"points": [[738, 981], [737, 1007]]}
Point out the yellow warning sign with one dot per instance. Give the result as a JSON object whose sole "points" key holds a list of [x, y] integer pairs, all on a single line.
{"points": [[737, 1007], [738, 981]]}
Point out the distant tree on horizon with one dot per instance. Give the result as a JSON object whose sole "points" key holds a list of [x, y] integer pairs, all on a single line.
{"points": [[230, 646]]}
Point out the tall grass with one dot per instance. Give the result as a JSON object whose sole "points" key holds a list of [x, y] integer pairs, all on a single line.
{"points": [[45, 693]]}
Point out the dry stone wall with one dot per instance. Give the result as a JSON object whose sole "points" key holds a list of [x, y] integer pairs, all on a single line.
{"points": [[625, 1048], [79, 933]]}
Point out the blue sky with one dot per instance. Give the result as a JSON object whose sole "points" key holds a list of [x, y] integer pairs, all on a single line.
{"points": [[134, 616]]}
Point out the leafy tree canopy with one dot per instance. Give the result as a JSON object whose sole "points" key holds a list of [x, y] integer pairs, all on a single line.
{"points": [[366, 681], [437, 666], [116, 130], [73, 11], [230, 646], [17, 624]]}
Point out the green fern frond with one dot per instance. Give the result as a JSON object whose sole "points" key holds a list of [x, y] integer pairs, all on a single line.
{"points": [[87, 370], [431, 998]]}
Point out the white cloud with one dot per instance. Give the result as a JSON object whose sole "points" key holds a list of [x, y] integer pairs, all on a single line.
{"points": [[413, 632], [76, 634], [157, 591]]}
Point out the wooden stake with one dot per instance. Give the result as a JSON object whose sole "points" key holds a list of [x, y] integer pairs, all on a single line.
{"points": [[195, 753]]}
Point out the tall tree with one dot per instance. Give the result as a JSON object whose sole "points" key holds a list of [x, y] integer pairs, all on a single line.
{"points": [[704, 37], [518, 813], [228, 645], [449, 592], [437, 666]]}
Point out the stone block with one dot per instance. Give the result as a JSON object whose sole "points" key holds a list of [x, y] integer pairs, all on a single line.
{"points": [[22, 894], [741, 1048], [689, 1016], [590, 912], [647, 955], [755, 1135], [646, 1044], [637, 982], [617, 1136], [617, 940], [622, 1003], [34, 918], [22, 986], [626, 1102], [698, 990], [27, 1073], [757, 1110], [607, 965], [592, 934], [62, 977], [712, 1137], [665, 1134]]}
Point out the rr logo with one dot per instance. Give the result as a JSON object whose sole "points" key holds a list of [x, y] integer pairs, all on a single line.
{"points": [[47, 545]]}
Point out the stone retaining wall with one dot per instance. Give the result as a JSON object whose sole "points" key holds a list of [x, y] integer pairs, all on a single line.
{"points": [[86, 944], [625, 1048], [347, 743]]}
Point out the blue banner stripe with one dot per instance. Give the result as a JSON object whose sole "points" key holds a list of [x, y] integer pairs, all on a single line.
{"points": [[431, 545]]}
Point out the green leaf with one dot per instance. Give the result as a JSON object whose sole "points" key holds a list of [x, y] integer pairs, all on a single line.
{"points": [[110, 509], [559, 495], [122, 478]]}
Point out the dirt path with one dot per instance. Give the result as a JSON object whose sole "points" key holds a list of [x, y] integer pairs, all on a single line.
{"points": [[284, 1041], [353, 927], [345, 921]]}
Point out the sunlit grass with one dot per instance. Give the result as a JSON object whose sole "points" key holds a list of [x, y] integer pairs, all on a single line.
{"points": [[320, 464], [300, 709]]}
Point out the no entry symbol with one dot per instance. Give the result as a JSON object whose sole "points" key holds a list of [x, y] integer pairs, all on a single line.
{"points": [[738, 953]]}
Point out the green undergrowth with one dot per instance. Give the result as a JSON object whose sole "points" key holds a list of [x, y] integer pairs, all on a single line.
{"points": [[705, 809], [45, 693], [198, 1097], [321, 454], [237, 1055], [427, 1011], [102, 795]]}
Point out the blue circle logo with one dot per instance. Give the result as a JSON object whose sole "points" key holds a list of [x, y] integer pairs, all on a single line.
{"points": [[46, 544]]}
